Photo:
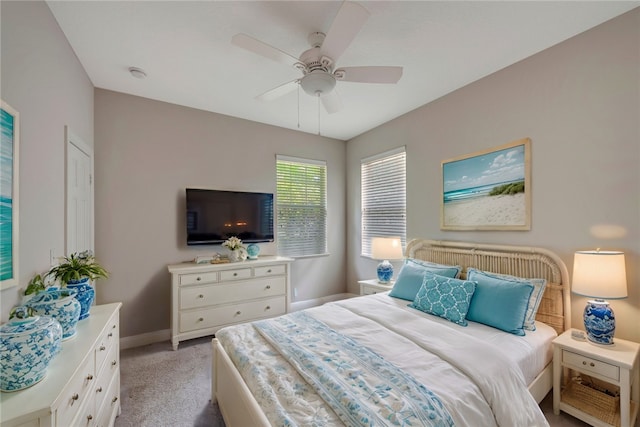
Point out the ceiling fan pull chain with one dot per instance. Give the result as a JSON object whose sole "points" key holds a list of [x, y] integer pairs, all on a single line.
{"points": [[298, 106], [318, 114]]}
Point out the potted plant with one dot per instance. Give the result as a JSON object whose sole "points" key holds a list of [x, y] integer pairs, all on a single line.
{"points": [[236, 248], [75, 272]]}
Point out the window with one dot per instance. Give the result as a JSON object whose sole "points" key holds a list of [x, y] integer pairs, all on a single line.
{"points": [[301, 206], [384, 200]]}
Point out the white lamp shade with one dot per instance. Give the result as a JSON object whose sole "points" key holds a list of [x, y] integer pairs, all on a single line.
{"points": [[599, 274], [386, 248]]}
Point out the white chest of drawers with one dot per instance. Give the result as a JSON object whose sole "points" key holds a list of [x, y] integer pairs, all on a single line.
{"points": [[206, 297], [82, 384]]}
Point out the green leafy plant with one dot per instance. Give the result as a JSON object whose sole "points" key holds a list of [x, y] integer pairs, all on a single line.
{"points": [[77, 266], [21, 312], [35, 285]]}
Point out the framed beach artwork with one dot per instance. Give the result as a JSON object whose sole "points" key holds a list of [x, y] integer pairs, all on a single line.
{"points": [[9, 144], [488, 190]]}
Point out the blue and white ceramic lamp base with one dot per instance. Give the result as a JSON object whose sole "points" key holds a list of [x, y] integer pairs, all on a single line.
{"points": [[385, 272], [599, 322]]}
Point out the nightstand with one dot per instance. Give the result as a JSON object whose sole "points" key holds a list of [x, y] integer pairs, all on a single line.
{"points": [[372, 286], [609, 366]]}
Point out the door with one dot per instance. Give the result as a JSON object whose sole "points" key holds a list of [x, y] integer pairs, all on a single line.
{"points": [[79, 206]]}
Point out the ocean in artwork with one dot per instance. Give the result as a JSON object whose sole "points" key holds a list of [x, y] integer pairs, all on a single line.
{"points": [[474, 192], [6, 195]]}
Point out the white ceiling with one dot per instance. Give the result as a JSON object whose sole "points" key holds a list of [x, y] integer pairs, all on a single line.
{"points": [[185, 48]]}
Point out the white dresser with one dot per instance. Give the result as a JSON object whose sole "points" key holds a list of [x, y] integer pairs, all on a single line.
{"points": [[206, 297], [82, 384]]}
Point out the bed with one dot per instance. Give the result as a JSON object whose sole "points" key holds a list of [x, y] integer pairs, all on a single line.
{"points": [[455, 375]]}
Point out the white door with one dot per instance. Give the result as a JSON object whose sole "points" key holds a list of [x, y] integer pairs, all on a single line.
{"points": [[79, 209]]}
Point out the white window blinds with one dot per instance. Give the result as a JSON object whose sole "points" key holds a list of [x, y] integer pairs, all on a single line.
{"points": [[301, 206], [384, 201]]}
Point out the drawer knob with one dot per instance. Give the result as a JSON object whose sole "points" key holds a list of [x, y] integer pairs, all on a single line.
{"points": [[268, 286], [238, 313], [235, 274], [198, 279], [268, 307], [74, 398], [110, 334], [89, 377], [200, 296], [200, 319], [269, 271], [114, 363], [99, 390], [89, 417], [102, 348], [113, 327], [114, 400]]}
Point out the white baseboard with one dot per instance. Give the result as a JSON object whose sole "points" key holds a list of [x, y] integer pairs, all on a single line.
{"points": [[144, 339], [301, 305], [165, 334]]}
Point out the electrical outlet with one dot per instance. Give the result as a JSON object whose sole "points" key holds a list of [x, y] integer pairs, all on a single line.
{"points": [[295, 292], [53, 260]]}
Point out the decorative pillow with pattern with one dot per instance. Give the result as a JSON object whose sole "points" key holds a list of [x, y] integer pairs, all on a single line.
{"points": [[445, 297]]}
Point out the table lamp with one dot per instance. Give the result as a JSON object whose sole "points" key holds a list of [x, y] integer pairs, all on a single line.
{"points": [[599, 275], [385, 248]]}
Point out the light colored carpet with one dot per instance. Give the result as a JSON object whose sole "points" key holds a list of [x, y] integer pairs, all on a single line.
{"points": [[161, 387]]}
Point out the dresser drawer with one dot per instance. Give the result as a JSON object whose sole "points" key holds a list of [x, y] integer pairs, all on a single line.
{"points": [[587, 364], [109, 403], [106, 375], [197, 278], [236, 274], [203, 296], [269, 271], [226, 314], [107, 342], [76, 393], [86, 416]]}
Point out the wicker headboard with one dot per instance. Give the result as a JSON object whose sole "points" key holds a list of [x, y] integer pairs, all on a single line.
{"points": [[520, 261]]}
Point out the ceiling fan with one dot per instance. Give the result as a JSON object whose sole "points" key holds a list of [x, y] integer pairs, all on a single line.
{"points": [[318, 64]]}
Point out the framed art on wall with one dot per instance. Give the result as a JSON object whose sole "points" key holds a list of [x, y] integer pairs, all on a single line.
{"points": [[9, 149], [488, 190]]}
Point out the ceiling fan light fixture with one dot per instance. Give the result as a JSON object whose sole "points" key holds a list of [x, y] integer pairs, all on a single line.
{"points": [[318, 83]]}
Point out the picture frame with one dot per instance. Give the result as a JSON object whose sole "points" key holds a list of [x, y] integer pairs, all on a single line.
{"points": [[488, 190], [9, 197]]}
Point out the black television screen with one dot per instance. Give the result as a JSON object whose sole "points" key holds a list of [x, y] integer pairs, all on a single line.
{"points": [[215, 215]]}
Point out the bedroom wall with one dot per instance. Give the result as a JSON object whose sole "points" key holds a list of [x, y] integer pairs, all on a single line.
{"points": [[42, 79], [579, 102], [147, 153]]}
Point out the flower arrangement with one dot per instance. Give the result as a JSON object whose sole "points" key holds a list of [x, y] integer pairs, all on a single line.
{"points": [[233, 243]]}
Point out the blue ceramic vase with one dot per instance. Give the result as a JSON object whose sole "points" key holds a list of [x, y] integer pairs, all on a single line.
{"points": [[85, 295], [27, 346], [60, 304], [253, 251], [599, 322]]}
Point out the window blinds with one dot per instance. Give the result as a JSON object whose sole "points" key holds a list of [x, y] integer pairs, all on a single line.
{"points": [[384, 212], [301, 206]]}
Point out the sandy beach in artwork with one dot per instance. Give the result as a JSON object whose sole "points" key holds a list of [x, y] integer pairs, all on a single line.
{"points": [[487, 210]]}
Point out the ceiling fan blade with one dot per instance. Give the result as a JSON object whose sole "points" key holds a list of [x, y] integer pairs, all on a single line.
{"points": [[279, 91], [373, 74], [331, 102], [256, 46], [347, 24]]}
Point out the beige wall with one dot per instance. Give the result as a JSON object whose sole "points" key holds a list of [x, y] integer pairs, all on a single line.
{"points": [[579, 102], [42, 79], [147, 153]]}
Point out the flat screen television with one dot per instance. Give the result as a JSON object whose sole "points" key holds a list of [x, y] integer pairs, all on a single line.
{"points": [[215, 215]]}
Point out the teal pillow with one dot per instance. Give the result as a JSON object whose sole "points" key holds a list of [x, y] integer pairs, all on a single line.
{"points": [[411, 276], [499, 303], [444, 297], [534, 300]]}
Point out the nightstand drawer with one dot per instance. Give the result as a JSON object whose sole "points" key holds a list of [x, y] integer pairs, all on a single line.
{"points": [[587, 364]]}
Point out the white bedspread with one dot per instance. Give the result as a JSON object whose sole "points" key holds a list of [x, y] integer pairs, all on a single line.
{"points": [[478, 384]]}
